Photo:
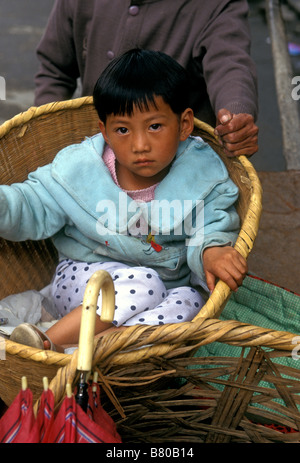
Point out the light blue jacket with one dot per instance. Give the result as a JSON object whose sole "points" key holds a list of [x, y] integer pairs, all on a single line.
{"points": [[75, 201]]}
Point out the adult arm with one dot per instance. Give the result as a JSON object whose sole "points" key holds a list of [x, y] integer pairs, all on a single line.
{"points": [[230, 76], [56, 79]]}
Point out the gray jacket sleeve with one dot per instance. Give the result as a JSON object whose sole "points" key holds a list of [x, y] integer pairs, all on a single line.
{"points": [[56, 79], [228, 68]]}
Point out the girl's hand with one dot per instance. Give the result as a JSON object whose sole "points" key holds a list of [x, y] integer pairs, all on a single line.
{"points": [[225, 263]]}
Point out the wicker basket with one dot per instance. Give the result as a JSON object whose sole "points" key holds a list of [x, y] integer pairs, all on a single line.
{"points": [[141, 355]]}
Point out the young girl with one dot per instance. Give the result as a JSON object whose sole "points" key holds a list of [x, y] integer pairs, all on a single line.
{"points": [[142, 200]]}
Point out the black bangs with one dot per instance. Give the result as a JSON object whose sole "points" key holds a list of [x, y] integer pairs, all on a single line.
{"points": [[135, 79], [124, 100]]}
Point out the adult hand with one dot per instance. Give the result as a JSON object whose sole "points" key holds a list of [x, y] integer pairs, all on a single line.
{"points": [[224, 263], [238, 134]]}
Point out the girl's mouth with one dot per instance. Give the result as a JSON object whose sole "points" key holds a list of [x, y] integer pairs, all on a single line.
{"points": [[143, 162]]}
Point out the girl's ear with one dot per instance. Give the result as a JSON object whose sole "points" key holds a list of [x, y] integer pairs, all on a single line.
{"points": [[103, 130], [187, 124]]}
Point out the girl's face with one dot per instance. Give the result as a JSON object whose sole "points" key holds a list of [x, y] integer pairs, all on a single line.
{"points": [[145, 143]]}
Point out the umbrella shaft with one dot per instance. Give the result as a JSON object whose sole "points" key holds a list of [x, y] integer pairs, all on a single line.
{"points": [[82, 394]]}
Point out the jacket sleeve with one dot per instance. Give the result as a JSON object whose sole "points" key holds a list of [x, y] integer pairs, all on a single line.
{"points": [[216, 225], [228, 68], [56, 79], [28, 211]]}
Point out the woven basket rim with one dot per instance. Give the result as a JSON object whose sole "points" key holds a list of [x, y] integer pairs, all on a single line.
{"points": [[36, 111]]}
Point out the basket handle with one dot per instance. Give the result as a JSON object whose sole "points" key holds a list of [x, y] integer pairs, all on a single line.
{"points": [[99, 280]]}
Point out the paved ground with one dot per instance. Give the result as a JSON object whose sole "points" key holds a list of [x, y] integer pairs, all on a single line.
{"points": [[275, 256], [276, 253]]}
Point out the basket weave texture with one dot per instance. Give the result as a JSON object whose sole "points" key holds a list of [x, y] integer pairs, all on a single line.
{"points": [[32, 139]]}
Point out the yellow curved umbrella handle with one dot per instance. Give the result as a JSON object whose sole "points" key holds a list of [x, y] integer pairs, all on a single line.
{"points": [[99, 280]]}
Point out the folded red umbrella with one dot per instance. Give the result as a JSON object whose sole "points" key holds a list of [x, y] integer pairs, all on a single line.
{"points": [[73, 425], [17, 423], [45, 415], [97, 413]]}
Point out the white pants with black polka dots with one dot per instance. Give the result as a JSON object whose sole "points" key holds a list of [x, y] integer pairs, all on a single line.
{"points": [[140, 295]]}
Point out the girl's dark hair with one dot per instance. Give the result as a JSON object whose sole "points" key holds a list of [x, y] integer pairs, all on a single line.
{"points": [[135, 79]]}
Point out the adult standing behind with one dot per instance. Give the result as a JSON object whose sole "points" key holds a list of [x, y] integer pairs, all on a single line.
{"points": [[210, 39]]}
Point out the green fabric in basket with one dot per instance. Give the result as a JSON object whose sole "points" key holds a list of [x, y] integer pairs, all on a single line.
{"points": [[259, 303], [263, 304]]}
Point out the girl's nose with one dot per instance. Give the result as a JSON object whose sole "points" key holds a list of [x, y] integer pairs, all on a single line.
{"points": [[140, 143]]}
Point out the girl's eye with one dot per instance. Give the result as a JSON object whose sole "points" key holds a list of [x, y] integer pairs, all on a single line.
{"points": [[122, 130], [155, 126]]}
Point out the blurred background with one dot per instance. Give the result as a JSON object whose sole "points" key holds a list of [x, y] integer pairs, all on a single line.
{"points": [[276, 255]]}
